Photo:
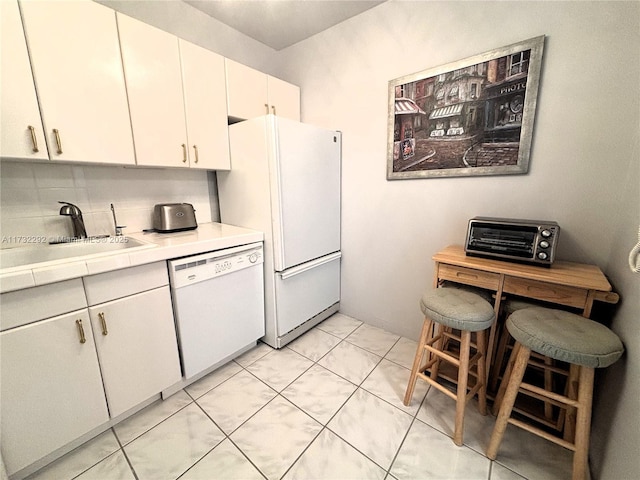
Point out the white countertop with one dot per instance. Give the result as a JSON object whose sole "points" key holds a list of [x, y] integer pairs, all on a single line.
{"points": [[158, 247]]}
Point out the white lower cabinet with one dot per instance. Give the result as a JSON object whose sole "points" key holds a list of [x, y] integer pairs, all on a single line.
{"points": [[66, 369], [137, 347], [51, 389]]}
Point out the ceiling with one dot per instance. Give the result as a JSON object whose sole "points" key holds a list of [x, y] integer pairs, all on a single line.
{"points": [[281, 23]]}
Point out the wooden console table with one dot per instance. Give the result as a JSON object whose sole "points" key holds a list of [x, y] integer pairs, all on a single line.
{"points": [[564, 283]]}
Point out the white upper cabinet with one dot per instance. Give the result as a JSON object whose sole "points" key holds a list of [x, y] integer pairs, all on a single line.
{"points": [[177, 99], [284, 98], [251, 93], [246, 91], [21, 134], [77, 69], [151, 61], [205, 99]]}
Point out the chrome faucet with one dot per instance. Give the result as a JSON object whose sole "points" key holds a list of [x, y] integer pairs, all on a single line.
{"points": [[71, 210], [118, 228]]}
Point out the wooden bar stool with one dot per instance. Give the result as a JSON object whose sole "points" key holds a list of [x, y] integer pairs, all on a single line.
{"points": [[467, 312], [567, 337], [554, 374]]}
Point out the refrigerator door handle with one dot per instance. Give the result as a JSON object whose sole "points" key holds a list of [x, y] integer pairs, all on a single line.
{"points": [[309, 265]]}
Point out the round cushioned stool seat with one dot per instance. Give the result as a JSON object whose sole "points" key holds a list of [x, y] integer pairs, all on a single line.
{"points": [[565, 336], [457, 309]]}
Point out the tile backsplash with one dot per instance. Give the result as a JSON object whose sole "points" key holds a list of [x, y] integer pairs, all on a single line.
{"points": [[29, 195]]}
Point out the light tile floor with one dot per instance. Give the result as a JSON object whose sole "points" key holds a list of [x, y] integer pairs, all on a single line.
{"points": [[327, 406]]}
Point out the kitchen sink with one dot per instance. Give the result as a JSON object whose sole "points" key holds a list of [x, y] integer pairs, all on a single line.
{"points": [[90, 247]]}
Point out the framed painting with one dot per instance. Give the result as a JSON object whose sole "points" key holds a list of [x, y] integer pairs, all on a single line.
{"points": [[466, 118]]}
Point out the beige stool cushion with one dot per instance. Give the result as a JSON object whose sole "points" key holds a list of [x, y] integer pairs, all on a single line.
{"points": [[457, 309], [565, 336]]}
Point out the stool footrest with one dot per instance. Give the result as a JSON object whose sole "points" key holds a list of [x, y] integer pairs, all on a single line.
{"points": [[545, 395], [473, 391], [442, 355], [442, 388], [452, 336], [543, 434], [448, 392], [450, 358], [556, 425], [549, 368]]}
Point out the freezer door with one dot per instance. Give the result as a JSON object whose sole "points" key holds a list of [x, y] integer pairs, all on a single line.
{"points": [[305, 172], [306, 290]]}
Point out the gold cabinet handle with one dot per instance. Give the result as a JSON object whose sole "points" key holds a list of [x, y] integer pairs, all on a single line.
{"points": [[57, 134], [81, 331], [184, 153], [273, 109], [34, 141], [103, 323], [266, 107], [195, 149]]}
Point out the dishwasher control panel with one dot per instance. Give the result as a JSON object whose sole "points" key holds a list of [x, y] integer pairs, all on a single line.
{"points": [[197, 268]]}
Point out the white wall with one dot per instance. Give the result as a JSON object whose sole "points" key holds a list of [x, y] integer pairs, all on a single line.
{"points": [[583, 170], [615, 432]]}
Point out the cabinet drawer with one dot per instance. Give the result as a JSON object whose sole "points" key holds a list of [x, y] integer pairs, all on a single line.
{"points": [[561, 294], [32, 304], [122, 283], [469, 276]]}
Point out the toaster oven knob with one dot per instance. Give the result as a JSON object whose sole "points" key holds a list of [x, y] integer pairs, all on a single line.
{"points": [[545, 233], [543, 255], [544, 244]]}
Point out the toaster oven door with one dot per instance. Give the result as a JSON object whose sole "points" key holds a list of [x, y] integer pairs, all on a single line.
{"points": [[511, 241]]}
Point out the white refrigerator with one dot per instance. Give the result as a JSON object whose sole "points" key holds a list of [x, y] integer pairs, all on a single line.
{"points": [[285, 181]]}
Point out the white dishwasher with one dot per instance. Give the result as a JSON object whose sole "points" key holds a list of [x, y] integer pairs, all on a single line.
{"points": [[218, 303]]}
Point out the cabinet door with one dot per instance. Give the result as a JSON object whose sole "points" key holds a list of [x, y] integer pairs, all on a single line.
{"points": [[205, 99], [51, 388], [137, 347], [246, 91], [284, 98], [152, 70], [22, 135], [78, 74]]}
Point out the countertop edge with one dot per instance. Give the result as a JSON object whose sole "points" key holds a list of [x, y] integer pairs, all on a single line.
{"points": [[206, 238]]}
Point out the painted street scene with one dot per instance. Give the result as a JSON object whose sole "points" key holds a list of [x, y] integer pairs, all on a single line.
{"points": [[469, 117]]}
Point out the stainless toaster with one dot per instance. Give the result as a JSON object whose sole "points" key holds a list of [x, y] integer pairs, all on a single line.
{"points": [[174, 217]]}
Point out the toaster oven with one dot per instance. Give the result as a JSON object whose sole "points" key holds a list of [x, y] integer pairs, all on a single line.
{"points": [[530, 241]]}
